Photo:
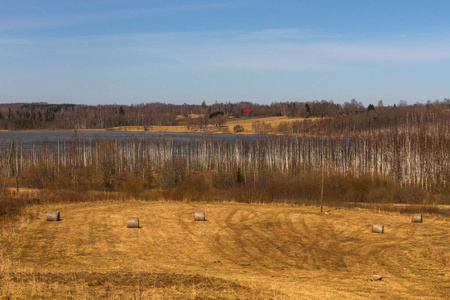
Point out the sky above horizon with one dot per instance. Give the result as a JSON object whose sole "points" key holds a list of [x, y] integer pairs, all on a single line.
{"points": [[130, 52]]}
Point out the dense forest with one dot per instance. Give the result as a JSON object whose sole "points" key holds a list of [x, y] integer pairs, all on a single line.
{"points": [[378, 154], [22, 116]]}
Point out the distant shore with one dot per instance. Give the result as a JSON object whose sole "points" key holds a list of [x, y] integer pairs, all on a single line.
{"points": [[228, 127]]}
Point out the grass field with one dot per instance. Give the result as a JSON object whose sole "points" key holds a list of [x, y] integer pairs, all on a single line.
{"points": [[241, 251], [246, 123]]}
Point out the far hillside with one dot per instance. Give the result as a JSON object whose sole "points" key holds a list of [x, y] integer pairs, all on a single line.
{"points": [[333, 119]]}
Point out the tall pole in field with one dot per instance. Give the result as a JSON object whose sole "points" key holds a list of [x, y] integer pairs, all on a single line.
{"points": [[7, 166], [321, 193], [323, 176], [17, 167]]}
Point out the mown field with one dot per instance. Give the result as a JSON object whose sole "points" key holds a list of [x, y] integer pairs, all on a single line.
{"points": [[227, 127], [245, 251]]}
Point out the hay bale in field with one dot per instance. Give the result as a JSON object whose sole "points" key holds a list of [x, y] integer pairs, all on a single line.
{"points": [[417, 218], [133, 222], [376, 277], [199, 216], [378, 228], [52, 215]]}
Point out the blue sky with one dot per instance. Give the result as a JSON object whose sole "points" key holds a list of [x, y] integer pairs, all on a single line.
{"points": [[129, 52]]}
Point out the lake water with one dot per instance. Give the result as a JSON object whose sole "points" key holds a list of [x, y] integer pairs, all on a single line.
{"points": [[27, 138]]}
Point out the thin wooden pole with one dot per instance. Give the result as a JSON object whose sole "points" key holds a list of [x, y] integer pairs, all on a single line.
{"points": [[7, 166], [17, 167], [323, 179], [321, 192]]}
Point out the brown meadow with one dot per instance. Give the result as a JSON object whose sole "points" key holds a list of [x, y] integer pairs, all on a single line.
{"points": [[242, 251]]}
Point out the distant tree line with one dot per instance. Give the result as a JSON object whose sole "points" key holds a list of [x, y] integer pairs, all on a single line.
{"points": [[22, 116], [414, 118]]}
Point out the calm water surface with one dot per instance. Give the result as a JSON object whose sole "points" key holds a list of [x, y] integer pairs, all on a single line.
{"points": [[27, 138]]}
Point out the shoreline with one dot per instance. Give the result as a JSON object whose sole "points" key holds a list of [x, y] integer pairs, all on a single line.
{"points": [[246, 123]]}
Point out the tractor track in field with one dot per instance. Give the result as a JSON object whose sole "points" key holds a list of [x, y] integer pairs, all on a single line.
{"points": [[250, 241]]}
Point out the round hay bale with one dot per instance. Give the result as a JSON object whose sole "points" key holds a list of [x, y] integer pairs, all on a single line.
{"points": [[133, 222], [376, 277], [378, 228], [199, 216], [52, 215], [417, 218]]}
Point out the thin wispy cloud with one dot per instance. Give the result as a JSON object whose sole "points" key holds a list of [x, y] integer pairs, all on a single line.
{"points": [[20, 23], [274, 49], [183, 7], [280, 34]]}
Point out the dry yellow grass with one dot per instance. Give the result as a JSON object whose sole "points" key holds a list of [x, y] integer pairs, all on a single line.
{"points": [[241, 251], [245, 122], [274, 121]]}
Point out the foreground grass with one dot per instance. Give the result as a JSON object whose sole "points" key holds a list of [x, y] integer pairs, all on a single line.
{"points": [[242, 251]]}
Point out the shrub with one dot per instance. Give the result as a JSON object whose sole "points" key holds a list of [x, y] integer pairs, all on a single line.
{"points": [[261, 127], [216, 113], [173, 173], [238, 128], [132, 187], [221, 179], [239, 176], [218, 120], [39, 176]]}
